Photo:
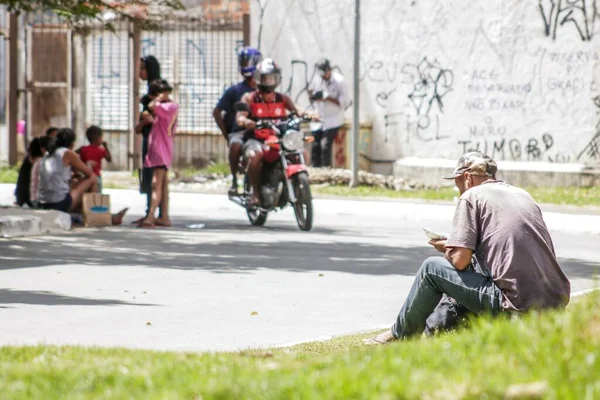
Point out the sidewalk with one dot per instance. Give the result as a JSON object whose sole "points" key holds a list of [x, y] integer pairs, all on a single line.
{"points": [[19, 222]]}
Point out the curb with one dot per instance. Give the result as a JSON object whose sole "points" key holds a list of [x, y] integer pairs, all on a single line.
{"points": [[18, 222]]}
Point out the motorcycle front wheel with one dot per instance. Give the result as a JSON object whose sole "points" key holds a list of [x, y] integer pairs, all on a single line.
{"points": [[303, 207]]}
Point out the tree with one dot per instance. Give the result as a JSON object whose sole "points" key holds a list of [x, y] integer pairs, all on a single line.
{"points": [[81, 11]]}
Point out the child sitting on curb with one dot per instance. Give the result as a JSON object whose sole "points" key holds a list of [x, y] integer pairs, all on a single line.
{"points": [[95, 152]]}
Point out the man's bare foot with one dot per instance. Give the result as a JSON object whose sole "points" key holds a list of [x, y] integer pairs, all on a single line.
{"points": [[162, 221], [138, 221], [117, 219], [383, 338]]}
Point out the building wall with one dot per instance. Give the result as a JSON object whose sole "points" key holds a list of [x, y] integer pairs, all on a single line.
{"points": [[517, 79]]}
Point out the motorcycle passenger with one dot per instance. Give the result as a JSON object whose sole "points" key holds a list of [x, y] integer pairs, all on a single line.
{"points": [[264, 104], [224, 112]]}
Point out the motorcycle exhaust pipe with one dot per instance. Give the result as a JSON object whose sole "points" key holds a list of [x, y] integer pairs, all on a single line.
{"points": [[238, 200]]}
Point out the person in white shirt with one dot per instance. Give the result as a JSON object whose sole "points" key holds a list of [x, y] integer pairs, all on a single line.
{"points": [[330, 95]]}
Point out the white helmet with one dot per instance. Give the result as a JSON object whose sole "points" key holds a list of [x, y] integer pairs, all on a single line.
{"points": [[267, 75]]}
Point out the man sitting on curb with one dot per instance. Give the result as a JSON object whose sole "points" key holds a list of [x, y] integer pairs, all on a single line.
{"points": [[503, 226]]}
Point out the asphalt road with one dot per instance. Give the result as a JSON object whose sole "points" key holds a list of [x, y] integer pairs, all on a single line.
{"points": [[227, 285]]}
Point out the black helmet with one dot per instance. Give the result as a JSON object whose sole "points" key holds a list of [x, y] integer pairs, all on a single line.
{"points": [[267, 75]]}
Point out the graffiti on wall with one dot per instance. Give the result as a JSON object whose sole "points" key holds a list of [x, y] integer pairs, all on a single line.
{"points": [[435, 85], [580, 16]]}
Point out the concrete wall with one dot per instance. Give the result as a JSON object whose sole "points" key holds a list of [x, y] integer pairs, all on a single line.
{"points": [[517, 79]]}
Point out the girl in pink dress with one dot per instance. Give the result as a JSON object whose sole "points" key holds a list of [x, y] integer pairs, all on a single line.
{"points": [[160, 150]]}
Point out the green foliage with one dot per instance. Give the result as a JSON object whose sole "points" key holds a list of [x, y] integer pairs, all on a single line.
{"points": [[73, 11]]}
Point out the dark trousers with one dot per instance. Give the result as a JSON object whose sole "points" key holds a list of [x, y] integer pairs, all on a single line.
{"points": [[146, 178], [322, 147]]}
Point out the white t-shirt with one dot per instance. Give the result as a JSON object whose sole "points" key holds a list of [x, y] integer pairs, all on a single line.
{"points": [[331, 113]]}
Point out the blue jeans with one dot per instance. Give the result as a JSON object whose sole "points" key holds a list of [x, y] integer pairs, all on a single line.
{"points": [[473, 290]]}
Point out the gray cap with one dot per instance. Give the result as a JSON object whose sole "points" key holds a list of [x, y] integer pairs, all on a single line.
{"points": [[475, 163]]}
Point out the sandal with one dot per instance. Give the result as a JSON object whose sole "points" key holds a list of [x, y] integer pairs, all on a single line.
{"points": [[146, 225], [167, 224]]}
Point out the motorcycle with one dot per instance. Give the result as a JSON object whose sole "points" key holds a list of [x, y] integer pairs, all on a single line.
{"points": [[284, 177]]}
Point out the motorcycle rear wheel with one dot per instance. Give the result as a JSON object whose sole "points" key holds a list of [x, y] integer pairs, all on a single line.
{"points": [[256, 217], [303, 207]]}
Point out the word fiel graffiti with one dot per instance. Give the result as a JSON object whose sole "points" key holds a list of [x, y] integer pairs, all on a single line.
{"points": [[423, 129], [532, 149], [580, 15]]}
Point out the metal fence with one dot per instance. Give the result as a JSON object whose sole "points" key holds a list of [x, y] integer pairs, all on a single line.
{"points": [[3, 79], [87, 77]]}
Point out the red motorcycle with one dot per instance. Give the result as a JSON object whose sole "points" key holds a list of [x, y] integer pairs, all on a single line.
{"points": [[284, 177]]}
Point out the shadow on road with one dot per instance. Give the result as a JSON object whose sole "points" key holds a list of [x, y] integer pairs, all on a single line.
{"points": [[200, 250], [9, 296]]}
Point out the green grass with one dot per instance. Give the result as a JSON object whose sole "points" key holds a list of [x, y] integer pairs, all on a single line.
{"points": [[214, 168], [551, 195], [557, 352], [548, 195], [9, 175], [367, 191]]}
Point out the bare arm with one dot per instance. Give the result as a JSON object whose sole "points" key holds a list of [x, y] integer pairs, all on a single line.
{"points": [[290, 106], [107, 156], [72, 159], [241, 117], [146, 120], [218, 116], [459, 257]]}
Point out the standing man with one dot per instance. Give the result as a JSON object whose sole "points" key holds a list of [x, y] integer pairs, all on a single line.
{"points": [[331, 96], [224, 113]]}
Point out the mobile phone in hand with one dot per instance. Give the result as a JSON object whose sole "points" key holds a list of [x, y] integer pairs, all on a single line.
{"points": [[431, 235]]}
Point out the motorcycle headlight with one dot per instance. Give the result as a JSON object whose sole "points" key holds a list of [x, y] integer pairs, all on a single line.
{"points": [[293, 140]]}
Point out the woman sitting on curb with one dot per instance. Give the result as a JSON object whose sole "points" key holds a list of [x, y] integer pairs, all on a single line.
{"points": [[56, 169]]}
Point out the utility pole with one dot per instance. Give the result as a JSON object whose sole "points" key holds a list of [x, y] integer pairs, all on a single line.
{"points": [[12, 50], [356, 116]]}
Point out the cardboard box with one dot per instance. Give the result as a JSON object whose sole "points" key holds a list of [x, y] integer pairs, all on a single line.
{"points": [[96, 210]]}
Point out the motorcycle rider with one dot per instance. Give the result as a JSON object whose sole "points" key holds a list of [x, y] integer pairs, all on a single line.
{"points": [[224, 112], [264, 104]]}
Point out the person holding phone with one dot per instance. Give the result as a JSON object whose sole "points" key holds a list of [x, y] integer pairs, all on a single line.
{"points": [[330, 95], [504, 228]]}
